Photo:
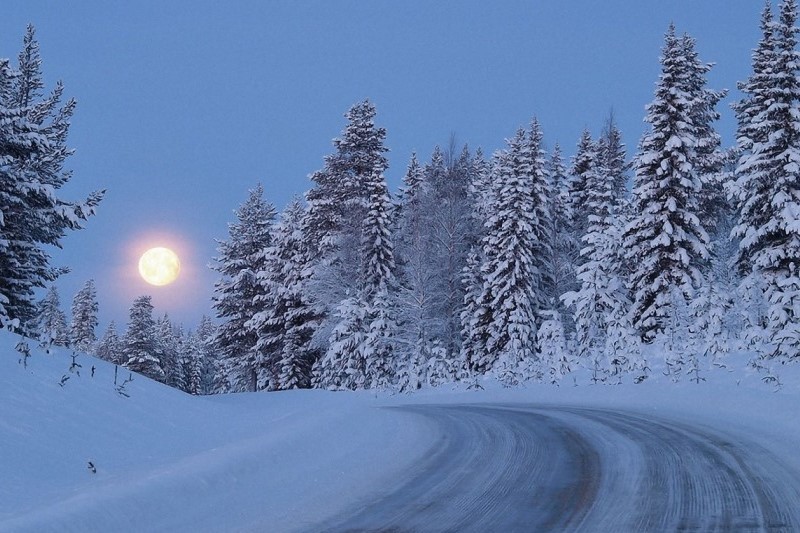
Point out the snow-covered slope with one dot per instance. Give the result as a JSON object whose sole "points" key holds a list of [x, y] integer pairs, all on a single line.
{"points": [[166, 461]]}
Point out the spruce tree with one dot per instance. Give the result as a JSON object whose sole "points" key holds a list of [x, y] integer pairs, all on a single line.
{"points": [[583, 163], [337, 208], [338, 200], [188, 370], [349, 212], [33, 152], [84, 318], [210, 374], [565, 249], [377, 249], [479, 189], [611, 156], [510, 276], [664, 240], [556, 362], [168, 338], [475, 318], [767, 184], [140, 344], [751, 194], [756, 88], [710, 157], [52, 322], [601, 293], [377, 252], [541, 191], [343, 366], [240, 259], [109, 347], [286, 320], [378, 347]]}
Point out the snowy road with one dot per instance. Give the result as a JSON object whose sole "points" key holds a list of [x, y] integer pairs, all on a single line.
{"points": [[524, 468]]}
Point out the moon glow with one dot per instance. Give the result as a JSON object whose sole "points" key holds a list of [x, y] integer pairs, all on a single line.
{"points": [[159, 266]]}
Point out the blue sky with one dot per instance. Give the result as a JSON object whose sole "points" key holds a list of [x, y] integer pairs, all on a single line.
{"points": [[183, 106]]}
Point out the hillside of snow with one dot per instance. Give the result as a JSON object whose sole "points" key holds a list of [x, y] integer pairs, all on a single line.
{"points": [[167, 461]]}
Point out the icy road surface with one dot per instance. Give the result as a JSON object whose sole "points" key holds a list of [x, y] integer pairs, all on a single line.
{"points": [[522, 468]]}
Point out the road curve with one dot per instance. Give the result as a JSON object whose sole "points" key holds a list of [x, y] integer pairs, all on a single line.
{"points": [[509, 468]]}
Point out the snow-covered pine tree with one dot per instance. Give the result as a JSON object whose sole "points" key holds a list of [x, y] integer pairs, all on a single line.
{"points": [[479, 190], [623, 349], [611, 156], [601, 292], [338, 203], [583, 162], [377, 253], [440, 368], [188, 372], [338, 200], [168, 339], [565, 248], [752, 309], [84, 318], [343, 366], [109, 347], [377, 249], [411, 370], [240, 259], [378, 346], [509, 300], [210, 375], [140, 344], [296, 363], [718, 323], [334, 220], [268, 322], [712, 307], [664, 241], [299, 354], [675, 341], [16, 304], [32, 156], [52, 322], [556, 361], [711, 158], [356, 265], [413, 186], [475, 319], [751, 195], [709, 305], [29, 85], [622, 352], [286, 319], [756, 89], [767, 187], [436, 169], [541, 190]]}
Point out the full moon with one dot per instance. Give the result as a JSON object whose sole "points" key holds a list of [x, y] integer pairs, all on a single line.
{"points": [[159, 266]]}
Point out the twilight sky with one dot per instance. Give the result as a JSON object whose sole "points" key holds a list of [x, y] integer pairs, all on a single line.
{"points": [[183, 106]]}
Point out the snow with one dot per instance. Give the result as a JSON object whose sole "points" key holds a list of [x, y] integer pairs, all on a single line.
{"points": [[284, 461], [167, 461]]}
